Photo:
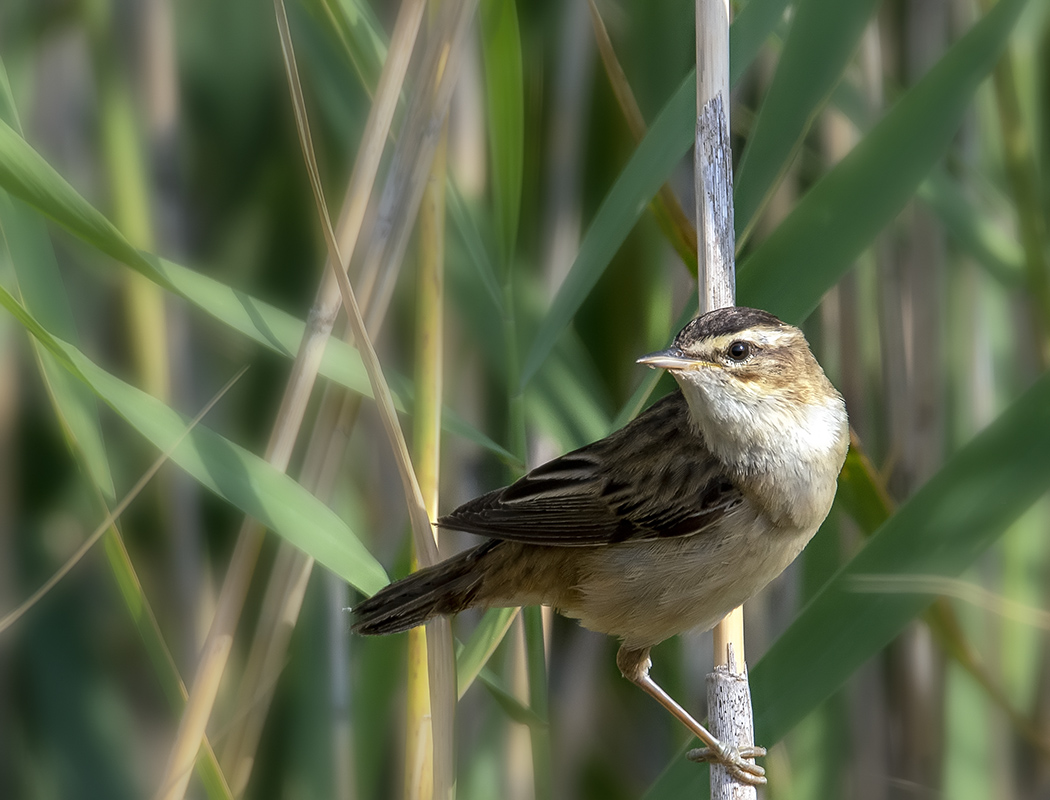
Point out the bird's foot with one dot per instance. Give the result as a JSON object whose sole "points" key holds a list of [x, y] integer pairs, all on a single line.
{"points": [[735, 760]]}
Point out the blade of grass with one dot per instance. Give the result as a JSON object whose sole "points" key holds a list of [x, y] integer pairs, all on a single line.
{"points": [[833, 223], [359, 32], [13, 616], [954, 587], [668, 212], [821, 41], [25, 174], [1022, 170], [473, 657], [515, 710], [238, 476], [35, 182], [125, 163], [505, 105], [973, 228]]}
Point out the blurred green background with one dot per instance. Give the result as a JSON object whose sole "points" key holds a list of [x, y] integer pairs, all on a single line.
{"points": [[159, 233]]}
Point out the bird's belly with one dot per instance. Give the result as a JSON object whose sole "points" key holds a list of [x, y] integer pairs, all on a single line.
{"points": [[645, 592]]}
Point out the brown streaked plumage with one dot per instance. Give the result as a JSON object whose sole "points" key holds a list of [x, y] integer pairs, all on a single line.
{"points": [[667, 524]]}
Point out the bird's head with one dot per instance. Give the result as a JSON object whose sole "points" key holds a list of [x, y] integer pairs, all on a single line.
{"points": [[752, 383]]}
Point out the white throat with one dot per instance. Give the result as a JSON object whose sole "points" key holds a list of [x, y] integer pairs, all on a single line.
{"points": [[791, 451]]}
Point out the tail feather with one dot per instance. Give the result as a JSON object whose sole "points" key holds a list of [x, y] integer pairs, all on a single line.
{"points": [[446, 588]]}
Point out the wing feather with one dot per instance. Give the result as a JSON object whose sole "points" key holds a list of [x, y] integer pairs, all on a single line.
{"points": [[654, 478]]}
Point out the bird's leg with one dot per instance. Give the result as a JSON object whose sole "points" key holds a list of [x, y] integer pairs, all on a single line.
{"points": [[635, 664]]}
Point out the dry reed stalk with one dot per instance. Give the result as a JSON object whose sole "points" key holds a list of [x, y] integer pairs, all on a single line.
{"points": [[217, 647], [283, 599], [285, 590], [403, 190], [282, 603], [713, 159], [441, 665], [729, 696]]}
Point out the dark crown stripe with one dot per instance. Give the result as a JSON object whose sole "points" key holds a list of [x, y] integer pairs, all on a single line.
{"points": [[725, 322]]}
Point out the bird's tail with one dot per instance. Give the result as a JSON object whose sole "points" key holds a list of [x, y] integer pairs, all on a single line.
{"points": [[446, 588]]}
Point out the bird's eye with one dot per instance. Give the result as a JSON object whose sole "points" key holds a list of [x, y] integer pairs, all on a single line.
{"points": [[739, 351]]}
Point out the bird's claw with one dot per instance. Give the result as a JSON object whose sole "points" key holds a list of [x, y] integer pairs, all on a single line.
{"points": [[734, 759]]}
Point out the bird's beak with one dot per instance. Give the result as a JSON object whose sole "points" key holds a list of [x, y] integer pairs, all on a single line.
{"points": [[671, 358]]}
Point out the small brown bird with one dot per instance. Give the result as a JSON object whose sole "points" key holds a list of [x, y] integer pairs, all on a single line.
{"points": [[667, 524]]}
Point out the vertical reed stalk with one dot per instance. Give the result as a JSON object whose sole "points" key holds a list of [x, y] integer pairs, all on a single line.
{"points": [[536, 661], [441, 661], [713, 160], [122, 145], [729, 696], [419, 734]]}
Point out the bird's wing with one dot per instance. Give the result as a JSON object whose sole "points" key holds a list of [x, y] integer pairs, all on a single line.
{"points": [[654, 478]]}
